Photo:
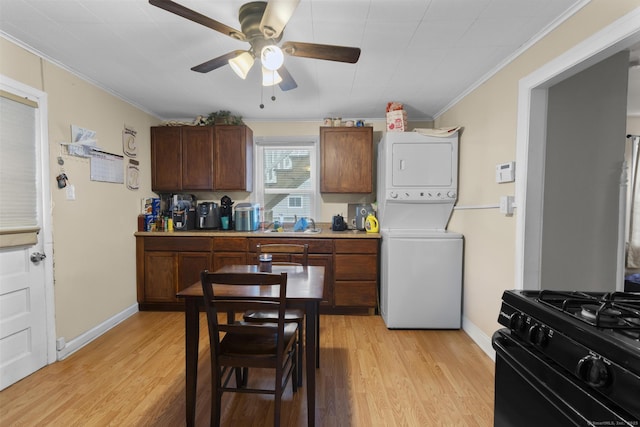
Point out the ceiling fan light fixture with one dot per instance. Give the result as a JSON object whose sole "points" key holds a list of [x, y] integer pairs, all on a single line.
{"points": [[241, 64], [270, 77], [276, 16], [272, 57]]}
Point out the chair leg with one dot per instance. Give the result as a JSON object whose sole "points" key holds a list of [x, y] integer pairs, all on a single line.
{"points": [[218, 409], [318, 339], [277, 402], [300, 353], [245, 376], [216, 397], [239, 377], [294, 370]]}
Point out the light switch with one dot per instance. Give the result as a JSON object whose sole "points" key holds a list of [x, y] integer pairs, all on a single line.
{"points": [[71, 192]]}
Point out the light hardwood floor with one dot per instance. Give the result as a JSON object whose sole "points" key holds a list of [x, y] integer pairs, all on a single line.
{"points": [[369, 376]]}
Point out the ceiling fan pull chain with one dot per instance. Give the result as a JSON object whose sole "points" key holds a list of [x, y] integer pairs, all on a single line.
{"points": [[273, 92], [261, 96]]}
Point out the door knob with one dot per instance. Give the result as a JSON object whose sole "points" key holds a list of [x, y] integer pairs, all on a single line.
{"points": [[36, 257]]}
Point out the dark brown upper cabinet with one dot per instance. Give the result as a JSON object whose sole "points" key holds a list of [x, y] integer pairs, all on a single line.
{"points": [[201, 158], [346, 159]]}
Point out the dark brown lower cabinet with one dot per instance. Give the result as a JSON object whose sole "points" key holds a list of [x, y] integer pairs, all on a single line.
{"points": [[167, 264], [356, 273], [229, 251]]}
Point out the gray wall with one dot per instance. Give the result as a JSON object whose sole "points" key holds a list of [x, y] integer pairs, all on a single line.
{"points": [[584, 153]]}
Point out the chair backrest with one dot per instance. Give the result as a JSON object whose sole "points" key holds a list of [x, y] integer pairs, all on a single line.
{"points": [[243, 291], [286, 253]]}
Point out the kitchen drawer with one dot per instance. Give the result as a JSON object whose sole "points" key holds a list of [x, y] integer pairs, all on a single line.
{"points": [[220, 259], [316, 246], [178, 244], [356, 246], [355, 293], [229, 244], [356, 267]]}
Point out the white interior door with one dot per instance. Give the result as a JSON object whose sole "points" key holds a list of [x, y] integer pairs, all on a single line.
{"points": [[23, 325], [27, 338]]}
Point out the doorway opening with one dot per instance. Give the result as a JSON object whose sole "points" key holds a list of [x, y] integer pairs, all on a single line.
{"points": [[532, 136]]}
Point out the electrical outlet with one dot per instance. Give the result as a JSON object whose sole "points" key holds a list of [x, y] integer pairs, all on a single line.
{"points": [[71, 192]]}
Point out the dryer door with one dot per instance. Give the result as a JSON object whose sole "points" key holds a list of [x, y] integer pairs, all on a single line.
{"points": [[423, 165]]}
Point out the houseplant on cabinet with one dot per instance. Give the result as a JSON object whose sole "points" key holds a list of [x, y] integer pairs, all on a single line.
{"points": [[223, 117]]}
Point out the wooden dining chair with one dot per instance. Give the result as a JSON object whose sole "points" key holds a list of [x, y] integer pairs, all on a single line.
{"points": [[284, 254], [237, 346]]}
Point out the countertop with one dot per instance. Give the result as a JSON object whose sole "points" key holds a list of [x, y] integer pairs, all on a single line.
{"points": [[326, 233]]}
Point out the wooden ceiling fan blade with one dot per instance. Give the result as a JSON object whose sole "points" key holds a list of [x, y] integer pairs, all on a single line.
{"points": [[194, 16], [218, 62], [322, 51], [287, 82], [276, 16]]}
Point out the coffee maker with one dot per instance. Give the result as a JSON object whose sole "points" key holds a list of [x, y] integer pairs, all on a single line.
{"points": [[361, 212], [182, 210], [226, 211]]}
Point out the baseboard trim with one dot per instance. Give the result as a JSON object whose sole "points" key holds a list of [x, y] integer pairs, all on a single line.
{"points": [[93, 333], [479, 337]]}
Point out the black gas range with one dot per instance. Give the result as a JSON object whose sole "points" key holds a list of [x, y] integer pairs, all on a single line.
{"points": [[568, 358]]}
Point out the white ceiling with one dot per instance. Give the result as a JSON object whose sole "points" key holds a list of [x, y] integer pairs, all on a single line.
{"points": [[423, 53]]}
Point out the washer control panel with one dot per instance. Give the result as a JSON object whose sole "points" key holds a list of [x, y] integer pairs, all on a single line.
{"points": [[422, 195]]}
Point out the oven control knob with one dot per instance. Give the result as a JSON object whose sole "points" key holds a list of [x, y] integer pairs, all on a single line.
{"points": [[594, 371], [516, 322], [538, 335]]}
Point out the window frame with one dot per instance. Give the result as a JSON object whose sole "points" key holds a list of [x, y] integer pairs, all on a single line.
{"points": [[297, 142]]}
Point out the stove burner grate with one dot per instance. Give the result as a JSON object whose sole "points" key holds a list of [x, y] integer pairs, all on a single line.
{"points": [[606, 316], [617, 310]]}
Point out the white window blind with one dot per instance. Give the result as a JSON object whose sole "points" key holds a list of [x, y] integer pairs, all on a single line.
{"points": [[18, 197]]}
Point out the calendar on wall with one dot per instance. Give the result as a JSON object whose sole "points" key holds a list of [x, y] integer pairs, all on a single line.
{"points": [[107, 167]]}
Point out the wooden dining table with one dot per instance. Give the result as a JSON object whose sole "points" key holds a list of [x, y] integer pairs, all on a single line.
{"points": [[305, 286]]}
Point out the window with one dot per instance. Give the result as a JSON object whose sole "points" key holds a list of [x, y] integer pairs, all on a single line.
{"points": [[295, 201], [286, 183]]}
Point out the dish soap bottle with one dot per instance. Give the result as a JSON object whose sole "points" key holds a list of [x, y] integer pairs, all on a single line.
{"points": [[371, 224]]}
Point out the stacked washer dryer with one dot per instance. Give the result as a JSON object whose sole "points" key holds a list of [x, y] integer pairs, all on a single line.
{"points": [[421, 262]]}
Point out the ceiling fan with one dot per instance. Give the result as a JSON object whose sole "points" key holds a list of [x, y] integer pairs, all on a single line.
{"points": [[262, 25]]}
